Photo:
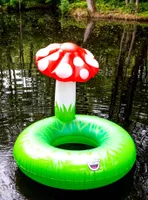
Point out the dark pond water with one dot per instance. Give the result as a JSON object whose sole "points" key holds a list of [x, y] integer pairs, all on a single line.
{"points": [[119, 92]]}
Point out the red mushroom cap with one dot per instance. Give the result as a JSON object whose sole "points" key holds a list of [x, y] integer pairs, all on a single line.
{"points": [[67, 62]]}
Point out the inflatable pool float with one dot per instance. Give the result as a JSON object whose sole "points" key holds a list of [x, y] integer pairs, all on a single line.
{"points": [[37, 149]]}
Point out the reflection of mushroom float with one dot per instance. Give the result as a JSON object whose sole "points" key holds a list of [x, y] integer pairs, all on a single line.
{"points": [[68, 64]]}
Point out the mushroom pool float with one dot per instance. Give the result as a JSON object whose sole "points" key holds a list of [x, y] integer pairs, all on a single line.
{"points": [[37, 149]]}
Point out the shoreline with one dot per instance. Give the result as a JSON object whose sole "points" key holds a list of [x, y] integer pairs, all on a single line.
{"points": [[83, 14]]}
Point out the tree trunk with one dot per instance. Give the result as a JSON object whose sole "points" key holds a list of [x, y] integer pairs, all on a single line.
{"points": [[91, 6], [118, 77], [137, 5], [19, 4], [126, 2], [132, 82], [88, 31], [21, 40], [131, 47]]}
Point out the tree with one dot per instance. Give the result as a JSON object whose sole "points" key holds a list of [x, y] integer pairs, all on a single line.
{"points": [[88, 30], [91, 6], [126, 2], [137, 5]]}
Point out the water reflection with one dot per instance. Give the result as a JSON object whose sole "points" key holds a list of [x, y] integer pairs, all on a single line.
{"points": [[115, 191], [119, 93]]}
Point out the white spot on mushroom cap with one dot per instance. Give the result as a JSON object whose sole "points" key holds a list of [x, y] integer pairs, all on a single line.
{"points": [[45, 51], [78, 62], [54, 56], [42, 52], [53, 46], [84, 73], [63, 70], [89, 53], [43, 64], [91, 61]]}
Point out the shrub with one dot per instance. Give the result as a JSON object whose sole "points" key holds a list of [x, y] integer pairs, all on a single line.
{"points": [[64, 6]]}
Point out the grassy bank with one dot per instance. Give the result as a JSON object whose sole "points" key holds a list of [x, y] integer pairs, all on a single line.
{"points": [[110, 11]]}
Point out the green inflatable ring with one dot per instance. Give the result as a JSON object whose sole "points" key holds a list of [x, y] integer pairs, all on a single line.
{"points": [[112, 156]]}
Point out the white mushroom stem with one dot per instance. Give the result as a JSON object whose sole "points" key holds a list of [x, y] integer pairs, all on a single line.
{"points": [[65, 100]]}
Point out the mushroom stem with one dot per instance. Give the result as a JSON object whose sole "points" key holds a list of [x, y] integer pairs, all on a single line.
{"points": [[65, 99]]}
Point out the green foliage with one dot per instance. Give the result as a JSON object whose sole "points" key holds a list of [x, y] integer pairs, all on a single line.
{"points": [[102, 7], [11, 3], [64, 6], [47, 1], [143, 7], [25, 3], [82, 4]]}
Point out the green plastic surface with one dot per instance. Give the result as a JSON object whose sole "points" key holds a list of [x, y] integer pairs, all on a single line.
{"points": [[112, 157]]}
